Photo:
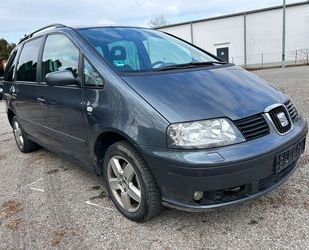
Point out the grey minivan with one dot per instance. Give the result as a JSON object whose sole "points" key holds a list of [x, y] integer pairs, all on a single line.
{"points": [[163, 121]]}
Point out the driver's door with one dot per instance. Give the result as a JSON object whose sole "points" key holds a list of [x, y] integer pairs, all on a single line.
{"points": [[65, 104]]}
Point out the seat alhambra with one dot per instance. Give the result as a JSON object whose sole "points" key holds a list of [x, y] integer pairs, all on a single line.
{"points": [[164, 122]]}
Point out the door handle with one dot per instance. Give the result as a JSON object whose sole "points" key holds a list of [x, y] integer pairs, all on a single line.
{"points": [[13, 91], [40, 100], [89, 109]]}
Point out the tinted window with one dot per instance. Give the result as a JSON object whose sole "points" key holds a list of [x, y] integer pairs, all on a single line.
{"points": [[59, 54], [9, 69], [1, 68], [136, 49], [91, 75], [27, 64]]}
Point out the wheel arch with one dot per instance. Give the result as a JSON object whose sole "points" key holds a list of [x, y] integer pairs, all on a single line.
{"points": [[104, 140]]}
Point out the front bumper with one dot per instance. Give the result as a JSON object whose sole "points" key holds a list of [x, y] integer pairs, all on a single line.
{"points": [[226, 175]]}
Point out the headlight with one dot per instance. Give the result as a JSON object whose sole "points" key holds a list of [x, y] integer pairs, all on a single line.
{"points": [[203, 134]]}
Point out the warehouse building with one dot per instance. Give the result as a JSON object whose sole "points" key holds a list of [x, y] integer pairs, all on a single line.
{"points": [[252, 39]]}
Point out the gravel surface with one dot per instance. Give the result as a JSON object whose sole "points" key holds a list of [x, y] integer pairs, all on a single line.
{"points": [[46, 202]]}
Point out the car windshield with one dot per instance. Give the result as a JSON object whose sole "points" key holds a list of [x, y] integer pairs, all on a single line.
{"points": [[137, 49]]}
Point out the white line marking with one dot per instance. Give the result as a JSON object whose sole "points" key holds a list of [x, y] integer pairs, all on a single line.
{"points": [[31, 183], [96, 205], [7, 196], [20, 189], [38, 189]]}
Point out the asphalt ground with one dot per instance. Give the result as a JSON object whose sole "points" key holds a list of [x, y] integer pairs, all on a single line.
{"points": [[48, 202]]}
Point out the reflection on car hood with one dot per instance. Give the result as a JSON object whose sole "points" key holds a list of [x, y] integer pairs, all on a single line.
{"points": [[206, 93]]}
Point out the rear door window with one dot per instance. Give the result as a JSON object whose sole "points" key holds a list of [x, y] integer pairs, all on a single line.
{"points": [[59, 54], [28, 61], [10, 67]]}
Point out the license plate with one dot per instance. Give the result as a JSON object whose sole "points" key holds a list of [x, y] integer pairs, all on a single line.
{"points": [[284, 159]]}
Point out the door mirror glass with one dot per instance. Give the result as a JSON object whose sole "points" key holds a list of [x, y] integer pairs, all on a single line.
{"points": [[61, 78]]}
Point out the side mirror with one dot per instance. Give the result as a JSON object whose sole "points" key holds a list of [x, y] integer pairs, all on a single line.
{"points": [[61, 78]]}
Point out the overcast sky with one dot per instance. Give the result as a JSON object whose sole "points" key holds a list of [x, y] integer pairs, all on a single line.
{"points": [[18, 17]]}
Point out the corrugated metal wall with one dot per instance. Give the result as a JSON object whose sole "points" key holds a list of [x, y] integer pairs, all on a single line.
{"points": [[263, 33]]}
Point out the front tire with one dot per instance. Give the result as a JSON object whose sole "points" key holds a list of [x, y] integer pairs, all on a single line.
{"points": [[130, 183], [23, 143]]}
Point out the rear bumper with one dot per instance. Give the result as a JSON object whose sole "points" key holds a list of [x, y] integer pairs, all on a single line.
{"points": [[248, 168]]}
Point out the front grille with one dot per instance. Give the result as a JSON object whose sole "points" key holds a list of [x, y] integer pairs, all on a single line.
{"points": [[292, 110], [253, 127], [278, 124]]}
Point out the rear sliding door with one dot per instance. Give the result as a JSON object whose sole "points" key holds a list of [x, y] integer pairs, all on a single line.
{"points": [[31, 112]]}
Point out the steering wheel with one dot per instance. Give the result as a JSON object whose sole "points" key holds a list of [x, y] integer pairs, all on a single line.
{"points": [[157, 63]]}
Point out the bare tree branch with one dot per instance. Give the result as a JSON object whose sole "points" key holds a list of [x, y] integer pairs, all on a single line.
{"points": [[158, 21]]}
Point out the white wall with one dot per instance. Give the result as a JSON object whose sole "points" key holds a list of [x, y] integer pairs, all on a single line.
{"points": [[182, 31], [264, 34], [298, 27], [228, 32]]}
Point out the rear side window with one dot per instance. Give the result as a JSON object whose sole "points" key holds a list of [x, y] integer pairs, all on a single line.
{"points": [[59, 54], [28, 61], [10, 67]]}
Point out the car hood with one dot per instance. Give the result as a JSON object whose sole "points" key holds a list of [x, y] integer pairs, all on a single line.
{"points": [[206, 93]]}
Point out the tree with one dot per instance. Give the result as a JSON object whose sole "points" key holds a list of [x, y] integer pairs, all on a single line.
{"points": [[157, 21], [5, 49]]}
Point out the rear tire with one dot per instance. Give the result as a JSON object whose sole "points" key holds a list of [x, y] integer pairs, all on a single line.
{"points": [[130, 183], [24, 144]]}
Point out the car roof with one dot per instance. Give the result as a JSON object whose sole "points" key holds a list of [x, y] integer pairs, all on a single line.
{"points": [[108, 26], [52, 27]]}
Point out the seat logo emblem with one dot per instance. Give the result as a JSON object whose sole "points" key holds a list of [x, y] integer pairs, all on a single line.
{"points": [[283, 119]]}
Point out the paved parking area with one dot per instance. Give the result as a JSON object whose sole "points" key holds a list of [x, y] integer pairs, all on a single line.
{"points": [[46, 201]]}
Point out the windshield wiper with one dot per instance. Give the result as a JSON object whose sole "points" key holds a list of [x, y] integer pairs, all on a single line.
{"points": [[189, 65]]}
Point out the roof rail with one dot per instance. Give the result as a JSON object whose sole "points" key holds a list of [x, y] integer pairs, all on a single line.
{"points": [[55, 25]]}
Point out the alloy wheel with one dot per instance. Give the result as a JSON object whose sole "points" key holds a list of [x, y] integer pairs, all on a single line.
{"points": [[18, 134], [124, 183]]}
